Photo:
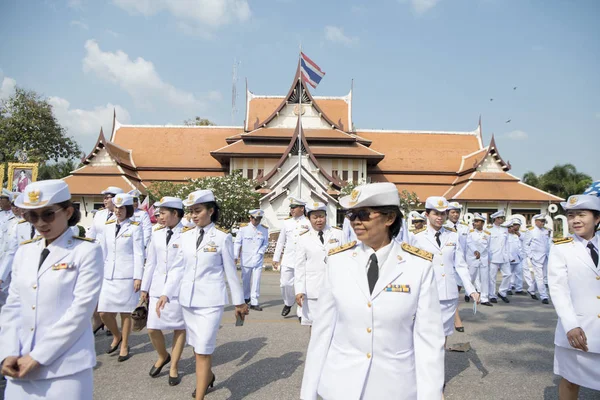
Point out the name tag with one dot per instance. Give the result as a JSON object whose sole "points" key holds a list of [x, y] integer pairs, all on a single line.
{"points": [[334, 240], [450, 244], [127, 235], [210, 249], [175, 246], [57, 267], [398, 288]]}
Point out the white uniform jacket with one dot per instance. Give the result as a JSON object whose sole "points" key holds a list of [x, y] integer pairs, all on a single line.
{"points": [[288, 239], [142, 217], [19, 232], [124, 252], [515, 249], [537, 245], [49, 310], [253, 241], [574, 283], [384, 345], [462, 229], [447, 258], [478, 241], [200, 273], [349, 235], [160, 260], [498, 251], [97, 228], [5, 216], [311, 259]]}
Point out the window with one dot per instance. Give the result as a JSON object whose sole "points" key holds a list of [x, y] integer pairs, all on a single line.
{"points": [[250, 174], [345, 176], [355, 176], [260, 173], [98, 206]]}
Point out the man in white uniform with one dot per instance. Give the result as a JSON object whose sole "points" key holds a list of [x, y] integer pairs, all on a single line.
{"points": [[291, 228], [499, 257], [5, 211], [141, 217], [537, 249], [7, 220], [103, 215], [476, 255], [252, 239], [516, 255], [311, 259]]}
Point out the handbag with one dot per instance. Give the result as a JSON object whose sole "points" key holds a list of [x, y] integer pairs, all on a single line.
{"points": [[140, 316]]}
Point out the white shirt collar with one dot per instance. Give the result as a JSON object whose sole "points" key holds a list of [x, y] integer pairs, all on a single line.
{"points": [[381, 254]]}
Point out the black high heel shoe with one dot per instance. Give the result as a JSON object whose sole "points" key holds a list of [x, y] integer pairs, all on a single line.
{"points": [[114, 348], [210, 385], [124, 358], [98, 328], [154, 371]]}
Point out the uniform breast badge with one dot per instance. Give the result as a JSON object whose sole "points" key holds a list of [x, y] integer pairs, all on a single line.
{"points": [[398, 288], [57, 267]]}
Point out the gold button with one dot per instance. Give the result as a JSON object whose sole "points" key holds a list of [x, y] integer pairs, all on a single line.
{"points": [[31, 329], [441, 265], [598, 278], [34, 287], [441, 254], [598, 297], [368, 330], [369, 304], [368, 355], [443, 274], [33, 307]]}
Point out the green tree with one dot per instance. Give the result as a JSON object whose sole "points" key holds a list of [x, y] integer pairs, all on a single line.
{"points": [[56, 170], [198, 121], [562, 180], [234, 194], [27, 124]]}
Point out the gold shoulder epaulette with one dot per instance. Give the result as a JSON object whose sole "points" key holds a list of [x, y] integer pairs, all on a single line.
{"points": [[35, 239], [285, 219], [472, 230], [337, 227], [101, 209], [187, 228], [85, 239], [158, 228], [22, 221], [419, 230], [417, 251], [450, 229], [562, 240], [530, 228], [264, 226], [343, 247], [303, 232], [221, 229], [243, 225], [112, 221], [464, 223], [135, 223], [487, 232]]}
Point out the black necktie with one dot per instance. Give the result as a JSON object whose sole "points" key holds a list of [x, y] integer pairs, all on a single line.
{"points": [[108, 215], [593, 253], [118, 229], [169, 234], [321, 237], [43, 257], [373, 272], [32, 231], [437, 238], [200, 237]]}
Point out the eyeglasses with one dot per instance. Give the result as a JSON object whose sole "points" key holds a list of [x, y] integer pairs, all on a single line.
{"points": [[292, 207], [362, 215], [47, 216]]}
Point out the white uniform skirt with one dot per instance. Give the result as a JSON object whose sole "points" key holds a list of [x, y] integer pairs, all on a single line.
{"points": [[79, 386], [448, 310], [309, 307], [117, 296], [201, 326], [577, 367], [171, 317]]}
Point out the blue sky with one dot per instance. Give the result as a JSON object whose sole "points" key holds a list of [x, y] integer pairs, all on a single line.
{"points": [[416, 64]]}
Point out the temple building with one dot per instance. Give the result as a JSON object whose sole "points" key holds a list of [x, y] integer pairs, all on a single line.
{"points": [[280, 131]]}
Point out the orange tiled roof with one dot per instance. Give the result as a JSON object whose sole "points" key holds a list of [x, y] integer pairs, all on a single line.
{"points": [[81, 185], [472, 160], [445, 180], [178, 176], [492, 191], [336, 110], [287, 133], [259, 109]]}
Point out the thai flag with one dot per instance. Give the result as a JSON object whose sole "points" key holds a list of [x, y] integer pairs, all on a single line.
{"points": [[311, 73]]}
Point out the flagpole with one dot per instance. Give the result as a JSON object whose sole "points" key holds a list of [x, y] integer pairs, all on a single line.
{"points": [[300, 128]]}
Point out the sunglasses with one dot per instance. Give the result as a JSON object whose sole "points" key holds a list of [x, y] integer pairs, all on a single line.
{"points": [[47, 216], [292, 207], [362, 215]]}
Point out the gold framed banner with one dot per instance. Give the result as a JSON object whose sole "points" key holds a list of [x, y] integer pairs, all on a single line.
{"points": [[20, 175], [2, 176]]}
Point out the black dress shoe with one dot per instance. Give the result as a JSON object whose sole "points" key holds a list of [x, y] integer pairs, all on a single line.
{"points": [[174, 381], [286, 310], [493, 301], [533, 296], [459, 328], [256, 308], [113, 349], [504, 298], [98, 328], [210, 385], [247, 301], [124, 358], [487, 303], [545, 301], [154, 371], [509, 292], [520, 292], [467, 299]]}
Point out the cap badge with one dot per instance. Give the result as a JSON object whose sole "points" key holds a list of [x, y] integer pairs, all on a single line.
{"points": [[191, 197], [573, 200], [118, 201], [162, 200], [354, 196], [440, 203], [315, 205], [34, 196]]}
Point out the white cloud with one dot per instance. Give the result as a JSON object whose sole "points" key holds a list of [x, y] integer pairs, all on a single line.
{"points": [[7, 86], [193, 16], [335, 34], [138, 78], [421, 6], [75, 4], [112, 33], [516, 135], [80, 24]]}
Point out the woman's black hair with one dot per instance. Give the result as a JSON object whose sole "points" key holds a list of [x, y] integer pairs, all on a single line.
{"points": [[215, 215], [310, 212], [396, 226], [129, 211], [179, 211], [76, 217]]}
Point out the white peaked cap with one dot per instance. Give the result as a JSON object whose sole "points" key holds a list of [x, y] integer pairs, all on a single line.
{"points": [[498, 214], [582, 202], [199, 197], [43, 193], [316, 206], [436, 203], [372, 195], [112, 190], [170, 202], [122, 199], [256, 213]]}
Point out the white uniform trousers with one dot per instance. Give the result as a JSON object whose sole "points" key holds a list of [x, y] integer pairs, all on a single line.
{"points": [[474, 274], [516, 279], [251, 283], [545, 269], [79, 386], [528, 276], [478, 276], [309, 307], [504, 268], [538, 273], [288, 292]]}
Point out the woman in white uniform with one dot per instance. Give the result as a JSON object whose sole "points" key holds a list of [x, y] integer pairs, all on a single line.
{"points": [[46, 341], [377, 332], [123, 247], [161, 252], [197, 277], [574, 282]]}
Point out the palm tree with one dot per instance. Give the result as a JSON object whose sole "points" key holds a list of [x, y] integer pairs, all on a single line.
{"points": [[562, 180]]}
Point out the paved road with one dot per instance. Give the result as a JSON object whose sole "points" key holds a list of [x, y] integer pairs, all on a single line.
{"points": [[511, 357]]}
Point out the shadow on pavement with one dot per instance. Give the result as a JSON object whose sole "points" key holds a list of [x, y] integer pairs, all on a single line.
{"points": [[228, 352], [457, 362]]}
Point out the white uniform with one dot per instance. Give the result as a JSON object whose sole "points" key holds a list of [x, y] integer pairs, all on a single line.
{"points": [[448, 261], [253, 242], [310, 265], [98, 224], [462, 230], [5, 245], [516, 254], [479, 268], [124, 262], [537, 248], [349, 235], [142, 217], [156, 272], [499, 260], [384, 345], [288, 239], [200, 281], [574, 283], [48, 316]]}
